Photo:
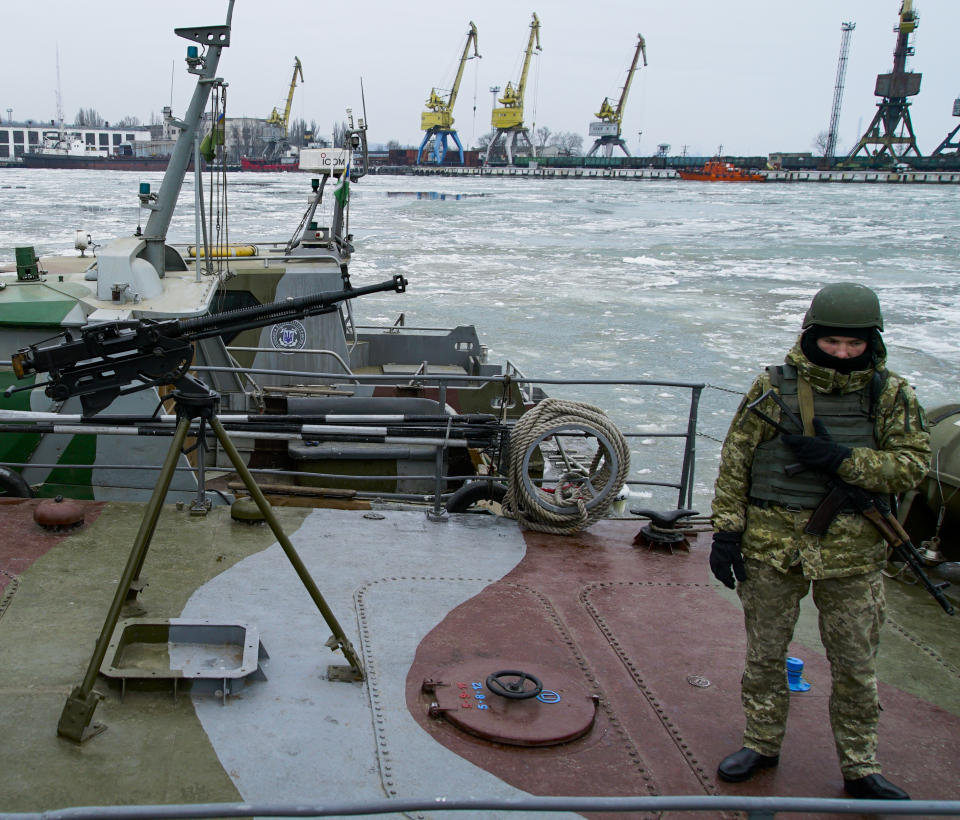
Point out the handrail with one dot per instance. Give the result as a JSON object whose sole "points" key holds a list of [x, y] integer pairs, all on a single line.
{"points": [[713, 805], [684, 484], [320, 351]]}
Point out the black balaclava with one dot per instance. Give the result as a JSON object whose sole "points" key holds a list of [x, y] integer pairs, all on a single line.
{"points": [[808, 343]]}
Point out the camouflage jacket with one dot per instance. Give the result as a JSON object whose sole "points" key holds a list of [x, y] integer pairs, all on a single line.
{"points": [[774, 534]]}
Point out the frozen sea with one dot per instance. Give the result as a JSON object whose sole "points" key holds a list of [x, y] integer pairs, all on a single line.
{"points": [[595, 279]]}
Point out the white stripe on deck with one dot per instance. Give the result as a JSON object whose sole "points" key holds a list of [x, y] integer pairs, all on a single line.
{"points": [[306, 738]]}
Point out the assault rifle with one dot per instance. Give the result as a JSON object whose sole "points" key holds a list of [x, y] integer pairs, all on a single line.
{"points": [[100, 362], [842, 495]]}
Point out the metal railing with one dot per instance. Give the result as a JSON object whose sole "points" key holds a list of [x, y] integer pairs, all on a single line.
{"points": [[755, 808], [439, 478]]}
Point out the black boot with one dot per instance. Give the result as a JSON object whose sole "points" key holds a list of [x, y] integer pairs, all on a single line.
{"points": [[741, 765], [874, 787]]}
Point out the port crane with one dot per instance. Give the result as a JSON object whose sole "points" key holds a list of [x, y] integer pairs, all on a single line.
{"points": [[949, 144], [277, 133], [437, 122], [831, 146], [607, 128], [891, 132], [508, 120]]}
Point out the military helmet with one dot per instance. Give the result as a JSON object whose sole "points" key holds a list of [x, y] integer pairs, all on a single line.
{"points": [[844, 304]]}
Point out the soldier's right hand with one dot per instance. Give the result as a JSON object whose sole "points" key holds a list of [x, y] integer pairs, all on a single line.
{"points": [[726, 560]]}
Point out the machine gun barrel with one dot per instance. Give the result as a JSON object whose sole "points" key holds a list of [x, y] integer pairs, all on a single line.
{"points": [[203, 327], [115, 358]]}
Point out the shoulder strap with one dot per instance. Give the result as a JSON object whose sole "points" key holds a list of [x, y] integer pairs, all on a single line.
{"points": [[807, 410]]}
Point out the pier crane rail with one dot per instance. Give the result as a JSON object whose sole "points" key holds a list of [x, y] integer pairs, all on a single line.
{"points": [[608, 127], [437, 121], [508, 120], [891, 131]]}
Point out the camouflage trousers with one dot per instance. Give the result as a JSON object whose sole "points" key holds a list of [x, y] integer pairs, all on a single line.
{"points": [[851, 612]]}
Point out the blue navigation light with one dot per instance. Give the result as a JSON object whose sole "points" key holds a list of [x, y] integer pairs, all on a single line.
{"points": [[192, 52], [144, 188]]}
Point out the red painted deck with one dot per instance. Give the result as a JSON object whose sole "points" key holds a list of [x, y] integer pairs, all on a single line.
{"points": [[635, 627]]}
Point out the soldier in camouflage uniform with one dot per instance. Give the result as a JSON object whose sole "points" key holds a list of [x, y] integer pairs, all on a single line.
{"points": [[864, 425]]}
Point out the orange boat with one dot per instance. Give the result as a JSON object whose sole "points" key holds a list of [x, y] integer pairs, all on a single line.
{"points": [[717, 171]]}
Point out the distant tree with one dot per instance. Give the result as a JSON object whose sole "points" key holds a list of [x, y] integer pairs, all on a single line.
{"points": [[393, 145], [484, 140], [569, 143], [128, 122], [88, 118], [296, 133], [541, 136], [820, 143], [339, 134]]}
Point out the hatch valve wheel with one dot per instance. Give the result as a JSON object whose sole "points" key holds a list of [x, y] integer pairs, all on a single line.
{"points": [[515, 689]]}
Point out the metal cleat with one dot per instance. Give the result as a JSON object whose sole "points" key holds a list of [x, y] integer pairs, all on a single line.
{"points": [[662, 529]]}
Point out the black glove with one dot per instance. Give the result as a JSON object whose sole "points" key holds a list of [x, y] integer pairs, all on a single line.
{"points": [[725, 558], [820, 452]]}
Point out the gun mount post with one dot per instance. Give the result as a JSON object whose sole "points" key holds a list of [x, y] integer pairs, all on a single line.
{"points": [[193, 400]]}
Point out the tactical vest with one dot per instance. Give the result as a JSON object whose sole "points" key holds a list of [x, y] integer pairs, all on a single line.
{"points": [[847, 416]]}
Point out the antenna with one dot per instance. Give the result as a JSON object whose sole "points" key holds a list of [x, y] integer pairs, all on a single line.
{"points": [[838, 92], [59, 99], [363, 104]]}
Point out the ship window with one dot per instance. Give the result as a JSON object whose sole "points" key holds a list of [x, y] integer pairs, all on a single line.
{"points": [[4, 150], [18, 137], [130, 137], [104, 139], [116, 139], [4, 136], [33, 137], [91, 139], [18, 150]]}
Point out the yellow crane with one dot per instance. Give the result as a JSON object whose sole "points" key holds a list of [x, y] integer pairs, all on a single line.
{"points": [[607, 129], [276, 135], [508, 120], [890, 137], [437, 121], [283, 122]]}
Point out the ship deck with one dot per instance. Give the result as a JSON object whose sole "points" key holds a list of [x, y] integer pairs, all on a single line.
{"points": [[644, 642]]}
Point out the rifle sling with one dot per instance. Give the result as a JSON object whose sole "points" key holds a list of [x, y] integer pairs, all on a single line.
{"points": [[807, 410]]}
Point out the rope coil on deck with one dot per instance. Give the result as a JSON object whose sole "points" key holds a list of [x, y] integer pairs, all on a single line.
{"points": [[581, 496]]}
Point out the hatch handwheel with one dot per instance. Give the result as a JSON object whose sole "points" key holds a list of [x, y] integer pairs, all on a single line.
{"points": [[515, 689]]}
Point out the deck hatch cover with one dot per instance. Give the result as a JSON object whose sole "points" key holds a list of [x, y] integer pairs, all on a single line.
{"points": [[562, 712]]}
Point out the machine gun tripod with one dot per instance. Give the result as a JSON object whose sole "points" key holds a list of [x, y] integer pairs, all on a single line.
{"points": [[100, 365]]}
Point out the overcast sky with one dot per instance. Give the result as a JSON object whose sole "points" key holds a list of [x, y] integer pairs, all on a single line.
{"points": [[753, 75]]}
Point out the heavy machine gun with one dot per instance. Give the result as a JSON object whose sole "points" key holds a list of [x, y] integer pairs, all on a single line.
{"points": [[116, 358], [842, 495], [103, 361]]}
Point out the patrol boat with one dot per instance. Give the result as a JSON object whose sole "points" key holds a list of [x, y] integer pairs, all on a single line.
{"points": [[294, 365], [167, 661]]}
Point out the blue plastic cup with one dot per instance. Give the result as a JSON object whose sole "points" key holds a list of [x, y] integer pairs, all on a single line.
{"points": [[795, 681]]}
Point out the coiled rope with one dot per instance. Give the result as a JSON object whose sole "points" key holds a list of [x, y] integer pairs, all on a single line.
{"points": [[582, 495]]}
